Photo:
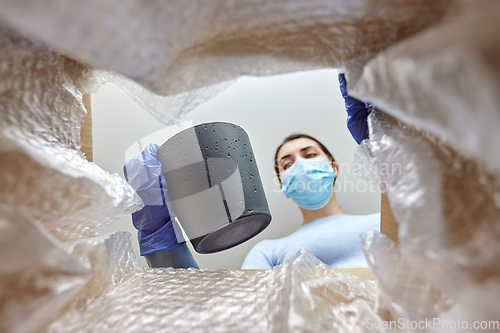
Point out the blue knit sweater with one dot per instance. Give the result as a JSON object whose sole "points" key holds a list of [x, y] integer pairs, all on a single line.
{"points": [[334, 240]]}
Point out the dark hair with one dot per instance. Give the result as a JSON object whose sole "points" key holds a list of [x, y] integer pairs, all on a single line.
{"points": [[298, 136]]}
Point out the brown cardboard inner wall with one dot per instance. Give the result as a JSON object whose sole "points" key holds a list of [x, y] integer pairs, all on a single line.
{"points": [[388, 225], [86, 132]]}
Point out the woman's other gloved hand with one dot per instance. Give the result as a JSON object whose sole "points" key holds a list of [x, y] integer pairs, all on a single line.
{"points": [[357, 113]]}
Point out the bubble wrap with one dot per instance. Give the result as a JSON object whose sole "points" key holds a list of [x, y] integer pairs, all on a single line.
{"points": [[444, 196], [445, 81], [95, 285], [167, 109], [38, 277], [449, 230], [42, 170], [445, 203], [442, 87], [304, 295], [402, 293], [187, 47]]}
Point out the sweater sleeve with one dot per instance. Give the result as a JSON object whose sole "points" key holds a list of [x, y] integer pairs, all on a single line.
{"points": [[357, 113], [259, 257]]}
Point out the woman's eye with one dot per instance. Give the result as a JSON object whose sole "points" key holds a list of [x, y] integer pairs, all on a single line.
{"points": [[287, 165], [310, 155]]}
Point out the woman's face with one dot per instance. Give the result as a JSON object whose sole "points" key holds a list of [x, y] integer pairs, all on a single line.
{"points": [[303, 148]]}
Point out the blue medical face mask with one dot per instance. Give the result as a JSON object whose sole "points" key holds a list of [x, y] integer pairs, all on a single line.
{"points": [[309, 182]]}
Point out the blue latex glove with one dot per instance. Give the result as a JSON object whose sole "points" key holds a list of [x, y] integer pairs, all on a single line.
{"points": [[357, 113], [154, 221]]}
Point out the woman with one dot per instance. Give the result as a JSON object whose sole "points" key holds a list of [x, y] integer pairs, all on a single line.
{"points": [[307, 173]]}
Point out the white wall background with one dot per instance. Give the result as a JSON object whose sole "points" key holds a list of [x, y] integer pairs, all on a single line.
{"points": [[269, 109]]}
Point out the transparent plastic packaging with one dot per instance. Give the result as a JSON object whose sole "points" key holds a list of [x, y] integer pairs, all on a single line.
{"points": [[445, 193], [442, 89], [445, 81], [446, 265], [41, 169], [40, 277], [192, 50], [37, 276], [459, 235], [402, 293], [191, 300]]}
